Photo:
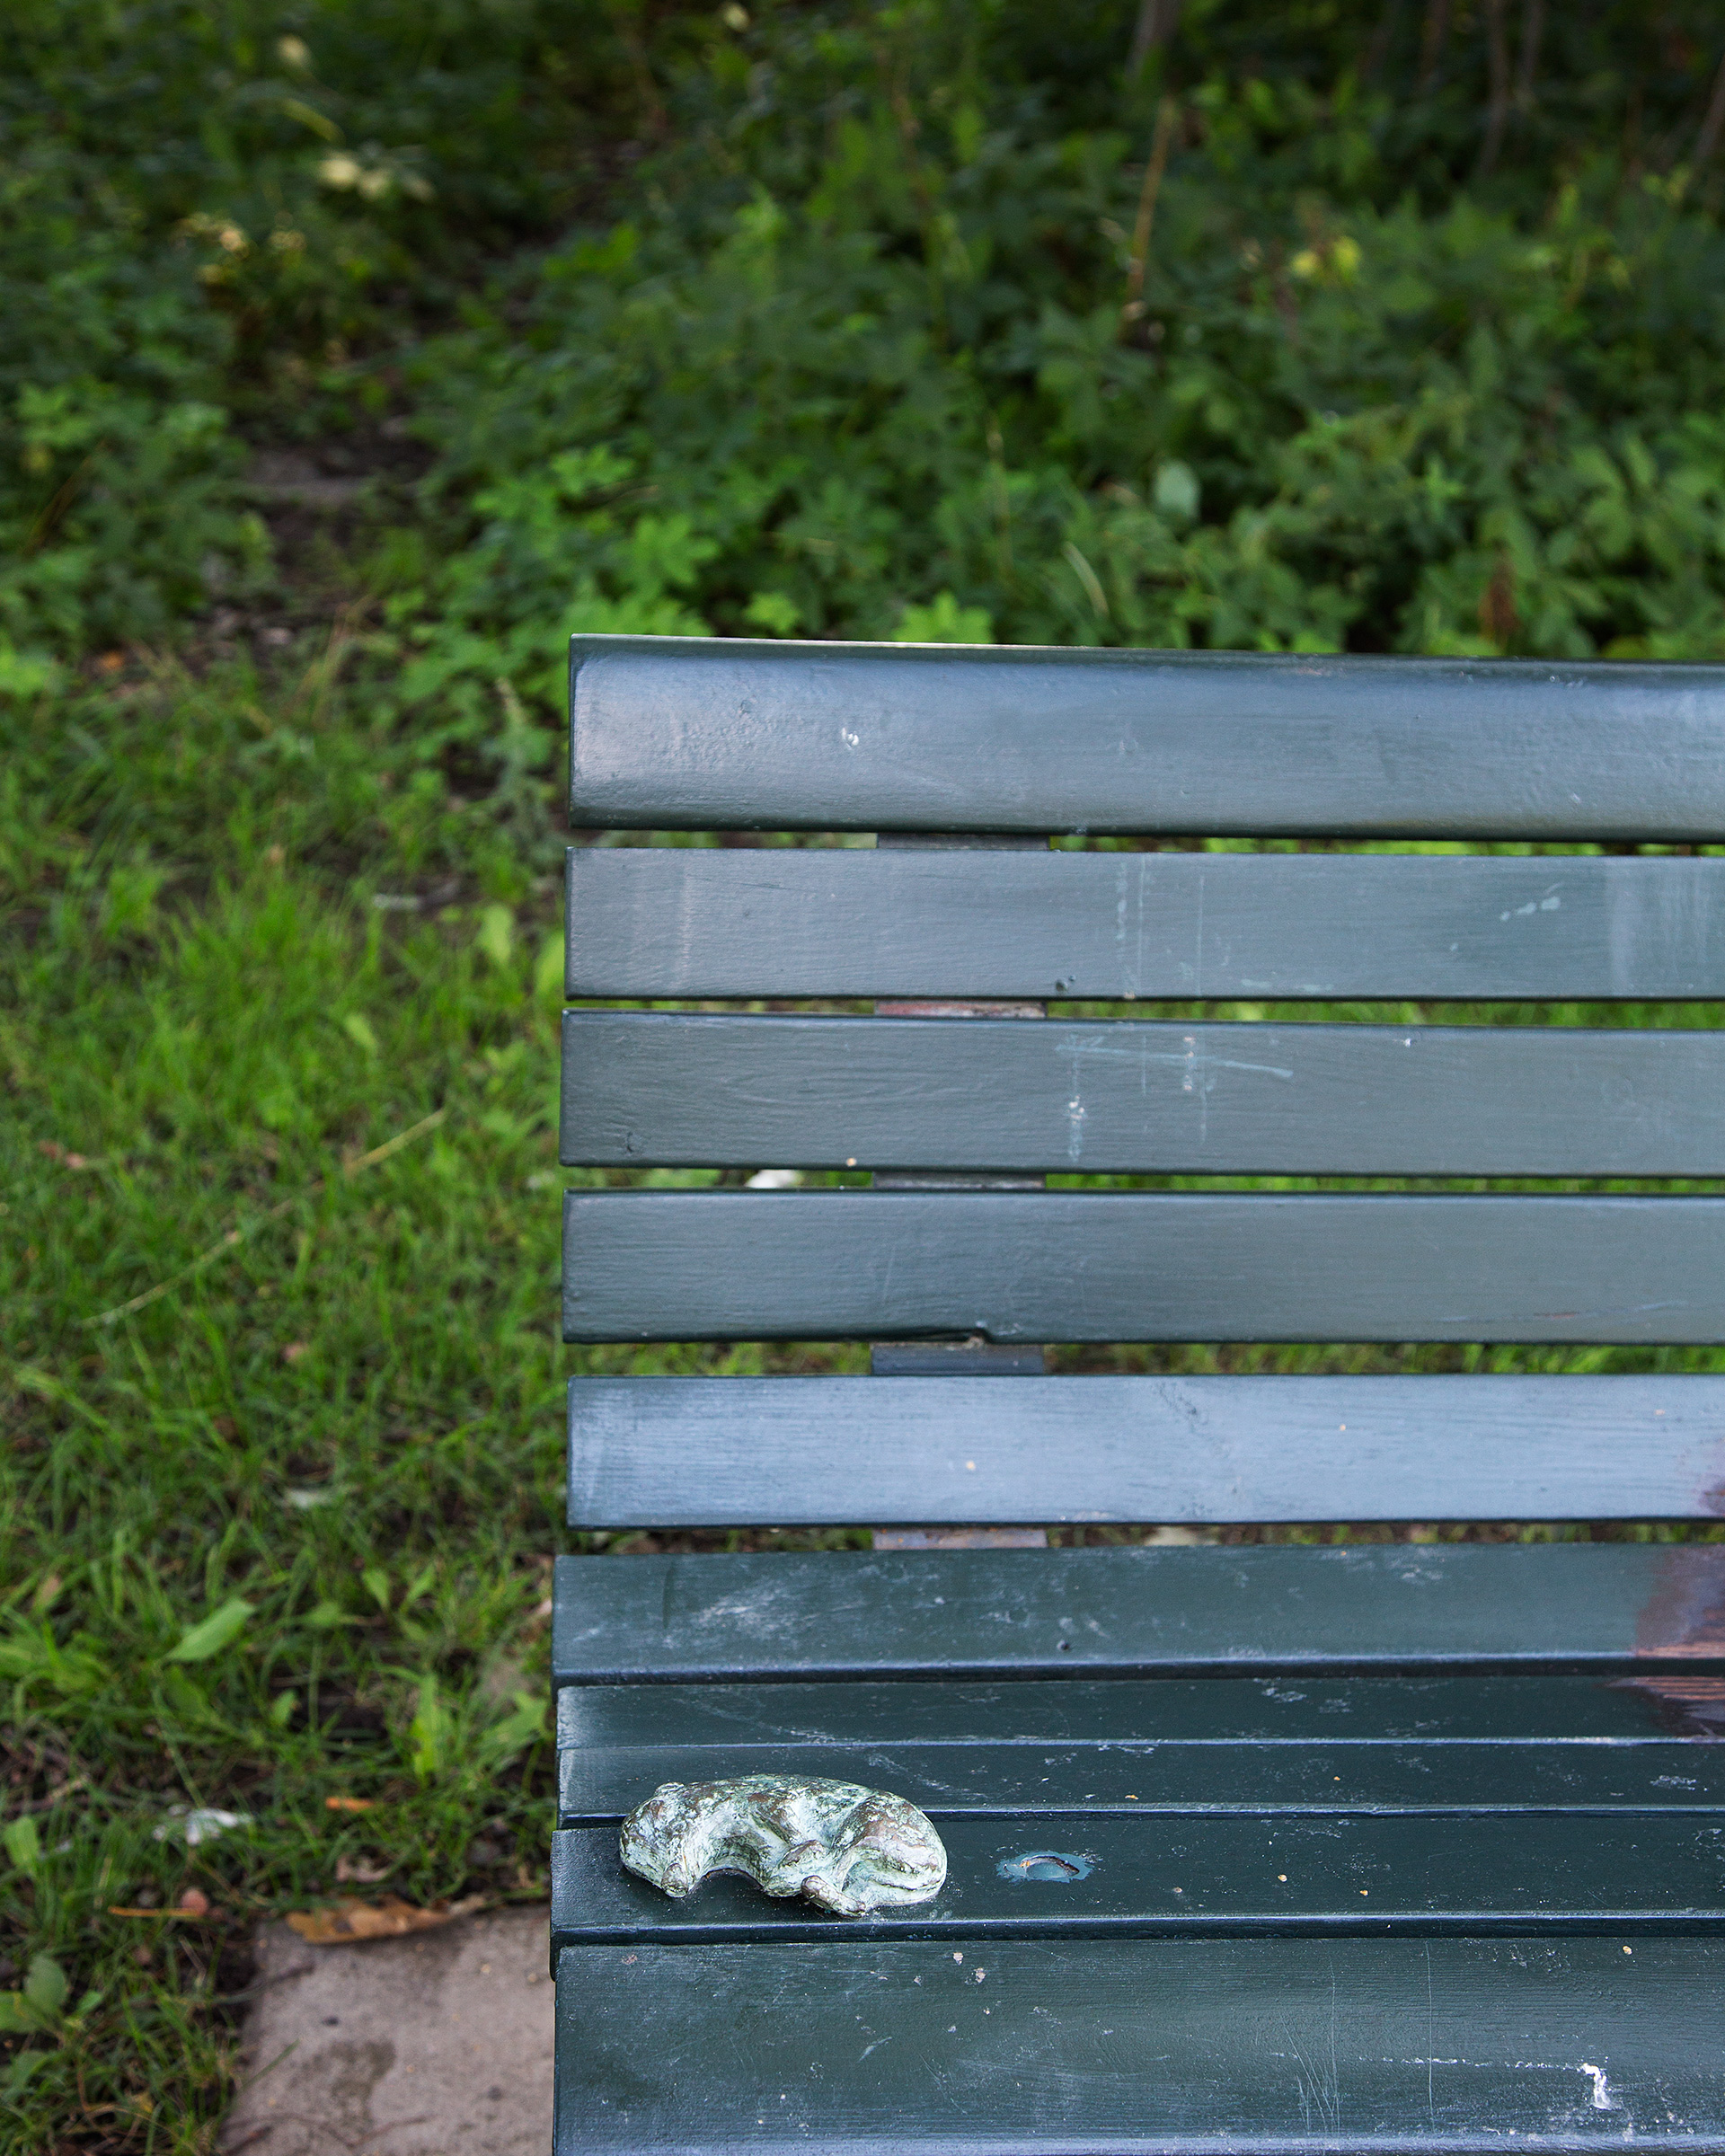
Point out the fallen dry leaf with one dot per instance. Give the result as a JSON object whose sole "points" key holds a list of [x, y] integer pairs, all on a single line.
{"points": [[352, 1872], [349, 1804], [345, 1923]]}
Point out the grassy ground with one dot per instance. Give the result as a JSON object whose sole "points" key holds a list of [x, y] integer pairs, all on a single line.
{"points": [[304, 499]]}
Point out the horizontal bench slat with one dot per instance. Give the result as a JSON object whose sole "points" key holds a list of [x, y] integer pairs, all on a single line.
{"points": [[975, 1451], [699, 921], [1140, 2047], [644, 1264], [703, 733], [1213, 1871], [1084, 1716], [1205, 1744], [643, 1090], [975, 1780], [1632, 1609]]}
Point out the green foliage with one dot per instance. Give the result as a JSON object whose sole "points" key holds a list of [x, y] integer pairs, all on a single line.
{"points": [[875, 373], [211, 211], [899, 313]]}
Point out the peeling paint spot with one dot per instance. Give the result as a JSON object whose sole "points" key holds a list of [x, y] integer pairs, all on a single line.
{"points": [[1603, 2099], [1046, 1867], [1075, 1113]]}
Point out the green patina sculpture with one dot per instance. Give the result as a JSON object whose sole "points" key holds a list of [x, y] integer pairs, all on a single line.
{"points": [[845, 1848]]}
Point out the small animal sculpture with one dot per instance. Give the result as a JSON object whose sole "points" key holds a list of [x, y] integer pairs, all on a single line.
{"points": [[848, 1849]]}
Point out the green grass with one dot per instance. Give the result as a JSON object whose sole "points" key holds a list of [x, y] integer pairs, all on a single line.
{"points": [[338, 1433], [792, 319]]}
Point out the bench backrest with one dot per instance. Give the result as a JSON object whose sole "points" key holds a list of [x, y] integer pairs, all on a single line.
{"points": [[995, 748]]}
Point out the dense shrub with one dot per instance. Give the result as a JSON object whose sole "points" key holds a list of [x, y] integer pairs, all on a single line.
{"points": [[1315, 328], [896, 353]]}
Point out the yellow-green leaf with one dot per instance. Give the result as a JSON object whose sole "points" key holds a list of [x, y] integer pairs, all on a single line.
{"points": [[213, 1634]]}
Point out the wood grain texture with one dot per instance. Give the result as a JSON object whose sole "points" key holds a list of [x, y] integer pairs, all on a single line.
{"points": [[1612, 1717], [645, 1089], [1126, 1746], [705, 733], [645, 1265], [1014, 1780], [1193, 2047], [1167, 1874], [1656, 1614], [693, 922], [808, 1452]]}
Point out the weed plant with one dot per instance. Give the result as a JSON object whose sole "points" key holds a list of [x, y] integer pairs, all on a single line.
{"points": [[1314, 330]]}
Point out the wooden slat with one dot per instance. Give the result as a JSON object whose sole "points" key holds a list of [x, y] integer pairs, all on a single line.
{"points": [[1449, 1744], [1170, 1874], [992, 1781], [642, 1089], [1656, 1614], [645, 1265], [1263, 2047], [1444, 1714], [810, 1451], [703, 733], [698, 920]]}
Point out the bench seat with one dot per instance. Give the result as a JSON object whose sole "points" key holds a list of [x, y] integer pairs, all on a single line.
{"points": [[1144, 2046], [1342, 1845]]}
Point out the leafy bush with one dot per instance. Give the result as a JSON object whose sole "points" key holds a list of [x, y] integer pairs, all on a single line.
{"points": [[212, 211], [899, 356]]}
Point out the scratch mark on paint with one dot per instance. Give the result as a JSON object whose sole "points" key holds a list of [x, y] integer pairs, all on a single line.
{"points": [[1137, 971], [1191, 1082], [1603, 2099], [1085, 1047], [1198, 988]]}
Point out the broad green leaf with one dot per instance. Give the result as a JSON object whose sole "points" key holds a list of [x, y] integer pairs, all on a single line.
{"points": [[548, 970], [496, 936], [215, 1632], [46, 1987], [524, 1725], [25, 2062], [433, 1731], [23, 1844]]}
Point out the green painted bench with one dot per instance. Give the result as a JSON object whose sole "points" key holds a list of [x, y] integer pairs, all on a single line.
{"points": [[1388, 1846]]}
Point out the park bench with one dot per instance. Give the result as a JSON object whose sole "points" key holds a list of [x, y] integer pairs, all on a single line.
{"points": [[1374, 1846]]}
